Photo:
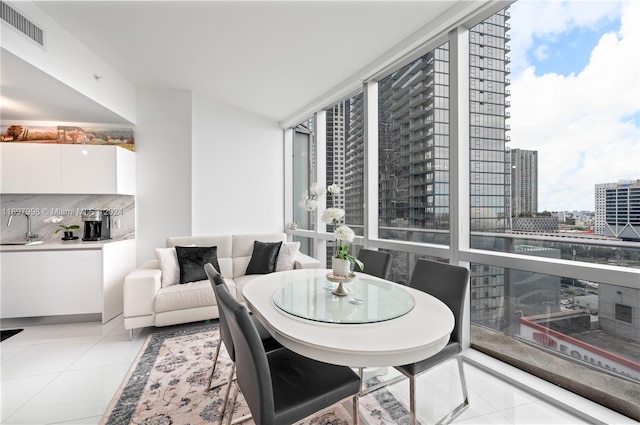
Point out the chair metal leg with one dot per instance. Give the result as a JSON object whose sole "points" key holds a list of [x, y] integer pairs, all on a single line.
{"points": [[229, 382], [356, 410], [412, 396], [233, 403], [463, 380], [412, 400], [465, 402], [362, 373], [213, 369]]}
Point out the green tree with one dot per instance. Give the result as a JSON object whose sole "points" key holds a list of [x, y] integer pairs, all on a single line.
{"points": [[14, 131]]}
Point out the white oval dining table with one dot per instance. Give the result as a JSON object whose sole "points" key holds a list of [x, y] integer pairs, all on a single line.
{"points": [[415, 335]]}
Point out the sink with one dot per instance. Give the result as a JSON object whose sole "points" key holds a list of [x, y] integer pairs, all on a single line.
{"points": [[25, 243]]}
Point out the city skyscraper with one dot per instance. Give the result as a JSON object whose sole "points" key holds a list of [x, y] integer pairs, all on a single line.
{"points": [[489, 163], [338, 118], [414, 145], [354, 165], [524, 182]]}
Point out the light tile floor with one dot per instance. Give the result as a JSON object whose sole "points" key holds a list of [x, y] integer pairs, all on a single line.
{"points": [[68, 374]]}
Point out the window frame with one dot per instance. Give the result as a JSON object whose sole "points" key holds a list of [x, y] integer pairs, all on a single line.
{"points": [[458, 251]]}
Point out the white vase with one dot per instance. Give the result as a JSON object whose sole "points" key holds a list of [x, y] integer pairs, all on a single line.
{"points": [[340, 267]]}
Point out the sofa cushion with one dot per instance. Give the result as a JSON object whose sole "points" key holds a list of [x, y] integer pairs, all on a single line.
{"points": [[192, 261], [287, 256], [243, 248], [189, 295], [168, 263], [227, 267], [264, 257]]}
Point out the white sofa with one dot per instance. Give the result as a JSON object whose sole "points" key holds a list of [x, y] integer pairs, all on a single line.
{"points": [[149, 302]]}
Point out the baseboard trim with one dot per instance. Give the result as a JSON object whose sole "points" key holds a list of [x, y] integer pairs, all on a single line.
{"points": [[50, 320]]}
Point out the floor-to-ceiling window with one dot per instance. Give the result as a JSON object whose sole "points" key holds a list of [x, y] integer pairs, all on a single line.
{"points": [[342, 144], [538, 153], [552, 211], [303, 165]]}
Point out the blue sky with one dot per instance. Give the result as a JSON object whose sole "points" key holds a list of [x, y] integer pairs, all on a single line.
{"points": [[567, 52], [575, 95]]}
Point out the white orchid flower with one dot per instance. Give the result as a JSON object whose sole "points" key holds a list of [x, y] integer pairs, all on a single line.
{"points": [[310, 205], [344, 233], [53, 219], [333, 189], [332, 215]]}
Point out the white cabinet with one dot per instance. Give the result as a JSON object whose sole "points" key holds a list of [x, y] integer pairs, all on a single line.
{"points": [[72, 282], [30, 168], [94, 169], [65, 281], [21, 285], [90, 169], [67, 169]]}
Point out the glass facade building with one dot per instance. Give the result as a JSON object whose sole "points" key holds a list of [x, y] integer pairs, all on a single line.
{"points": [[413, 130], [489, 163], [618, 210]]}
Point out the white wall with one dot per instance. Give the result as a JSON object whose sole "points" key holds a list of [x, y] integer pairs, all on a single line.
{"points": [[204, 168], [163, 160], [238, 171]]}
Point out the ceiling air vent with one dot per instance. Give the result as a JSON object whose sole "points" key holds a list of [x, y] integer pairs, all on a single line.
{"points": [[22, 24]]}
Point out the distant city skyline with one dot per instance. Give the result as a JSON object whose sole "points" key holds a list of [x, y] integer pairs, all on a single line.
{"points": [[575, 95]]}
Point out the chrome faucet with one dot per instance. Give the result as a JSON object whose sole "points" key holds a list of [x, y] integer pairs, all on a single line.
{"points": [[29, 234]]}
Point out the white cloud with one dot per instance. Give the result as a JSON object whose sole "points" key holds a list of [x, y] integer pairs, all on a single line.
{"points": [[579, 123], [542, 52], [533, 20]]}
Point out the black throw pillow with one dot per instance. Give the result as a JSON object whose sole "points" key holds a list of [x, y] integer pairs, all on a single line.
{"points": [[192, 259], [264, 257]]}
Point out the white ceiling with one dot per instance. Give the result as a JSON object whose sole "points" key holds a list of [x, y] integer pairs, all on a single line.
{"points": [[268, 57]]}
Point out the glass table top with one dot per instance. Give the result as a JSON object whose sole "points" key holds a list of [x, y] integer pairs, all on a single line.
{"points": [[369, 300]]}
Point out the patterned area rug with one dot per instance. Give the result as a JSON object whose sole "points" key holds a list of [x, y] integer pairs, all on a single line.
{"points": [[166, 386]]}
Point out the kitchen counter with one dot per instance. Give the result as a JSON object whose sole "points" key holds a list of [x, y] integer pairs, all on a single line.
{"points": [[76, 279], [63, 245]]}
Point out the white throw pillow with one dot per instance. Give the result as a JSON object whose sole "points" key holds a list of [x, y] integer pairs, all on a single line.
{"points": [[287, 256], [168, 261]]}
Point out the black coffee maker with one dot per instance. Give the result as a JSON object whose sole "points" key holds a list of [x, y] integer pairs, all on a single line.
{"points": [[97, 225]]}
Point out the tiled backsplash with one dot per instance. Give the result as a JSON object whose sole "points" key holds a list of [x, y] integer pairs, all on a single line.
{"points": [[121, 207]]}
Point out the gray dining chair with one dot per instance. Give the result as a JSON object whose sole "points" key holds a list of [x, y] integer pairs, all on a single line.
{"points": [[281, 387], [217, 282], [449, 284], [376, 263]]}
